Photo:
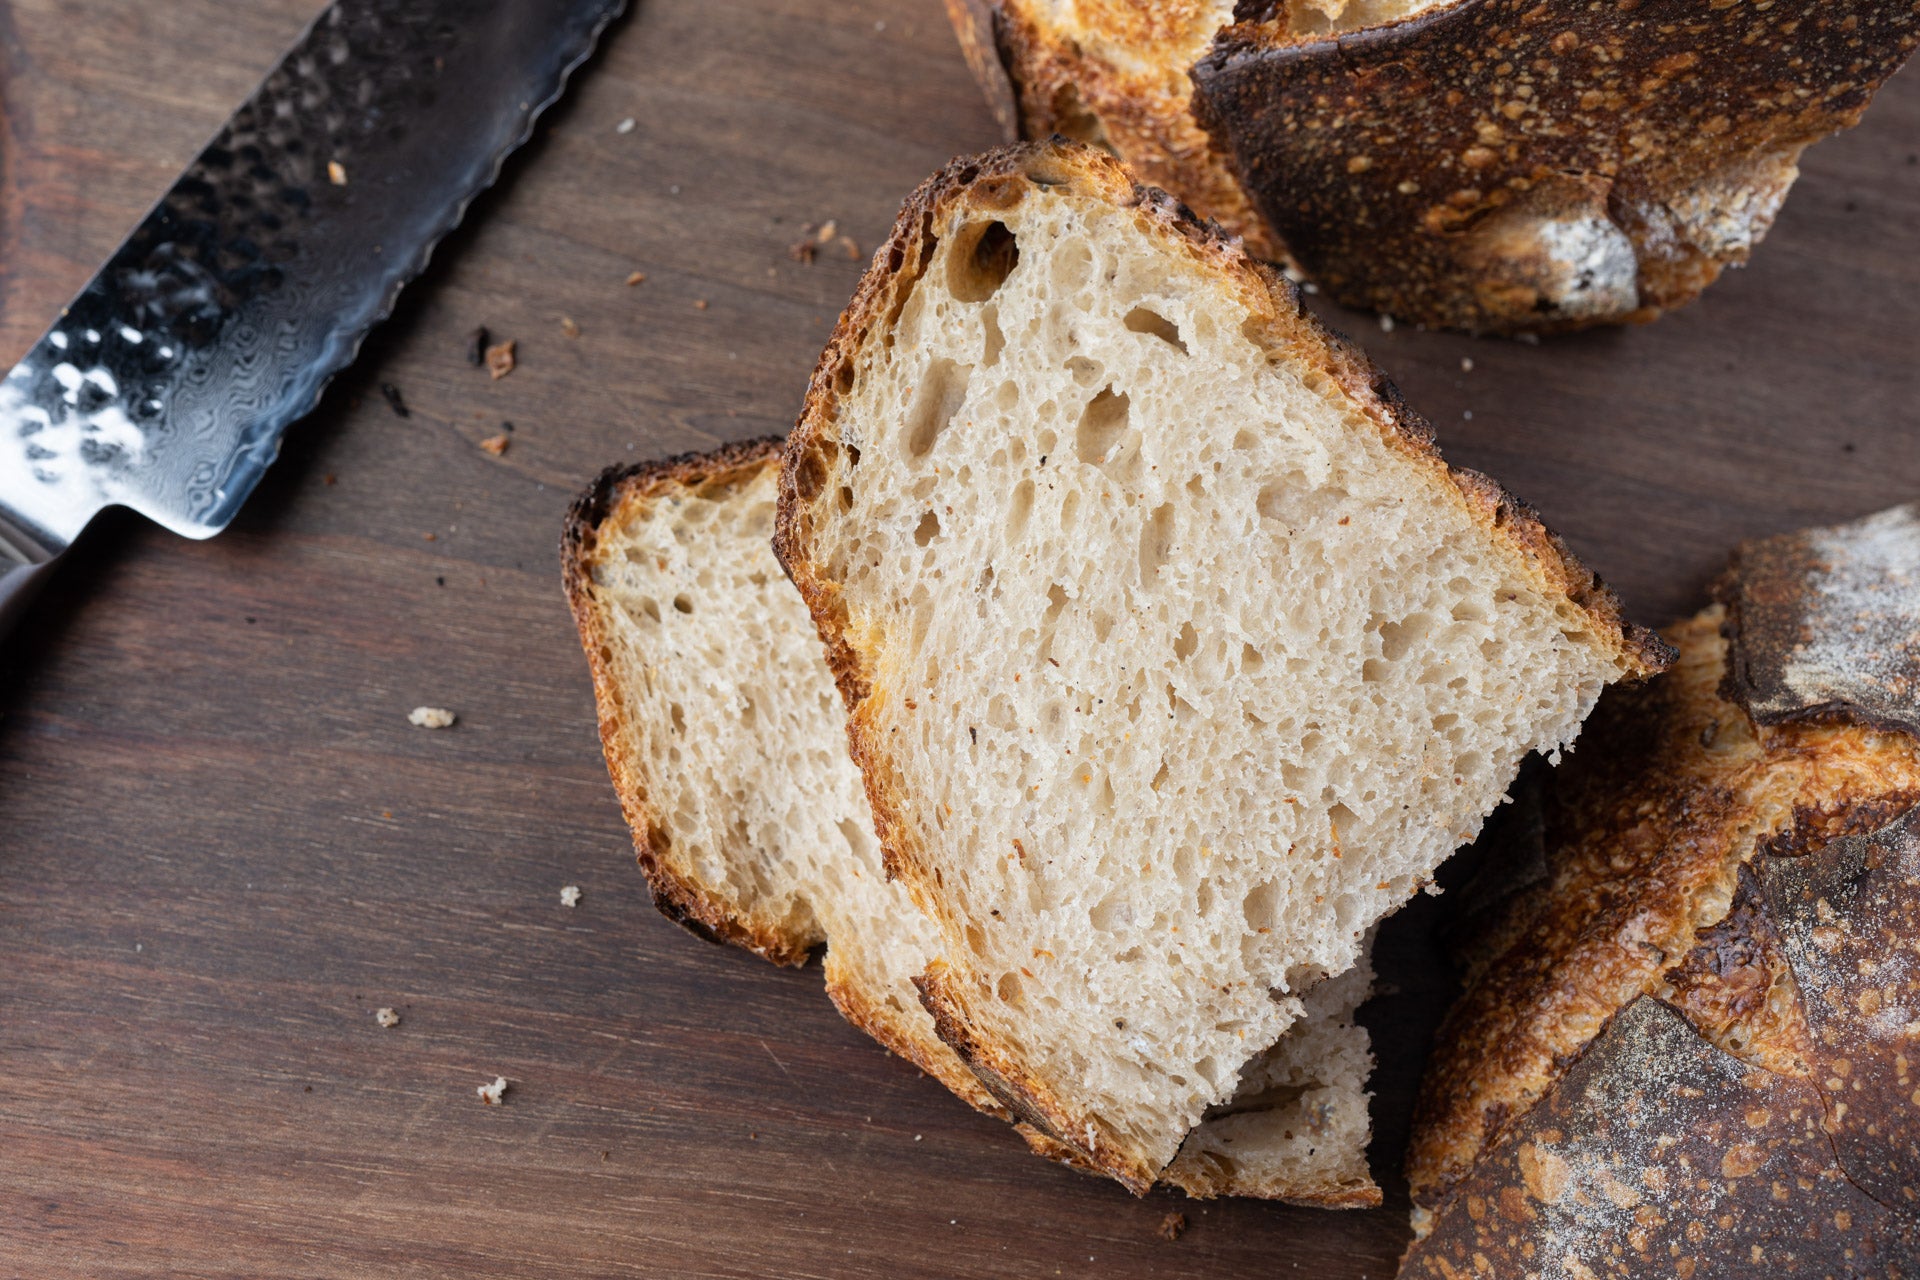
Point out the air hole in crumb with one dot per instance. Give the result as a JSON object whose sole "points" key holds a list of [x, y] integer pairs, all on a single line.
{"points": [[846, 497], [651, 608], [678, 715], [1008, 988], [1251, 659], [1019, 509], [683, 604], [938, 397], [928, 530], [1143, 320], [994, 341], [1186, 643], [981, 258], [1262, 905], [1156, 543], [1102, 424]]}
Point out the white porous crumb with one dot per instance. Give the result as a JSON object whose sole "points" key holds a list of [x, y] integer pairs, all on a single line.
{"points": [[1386, 323], [625, 126], [493, 1094], [570, 896], [430, 717], [1467, 414], [1466, 364], [386, 1017]]}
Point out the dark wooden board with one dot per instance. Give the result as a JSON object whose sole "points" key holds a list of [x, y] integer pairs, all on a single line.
{"points": [[222, 846]]}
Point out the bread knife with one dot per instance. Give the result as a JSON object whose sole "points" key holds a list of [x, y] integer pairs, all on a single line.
{"points": [[166, 384]]}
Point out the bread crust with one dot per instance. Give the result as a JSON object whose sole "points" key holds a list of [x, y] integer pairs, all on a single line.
{"points": [[992, 182], [1539, 165], [1759, 875], [1049, 78], [1660, 1154], [1603, 165]]}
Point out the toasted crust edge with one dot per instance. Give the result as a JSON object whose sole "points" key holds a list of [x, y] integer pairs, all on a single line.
{"points": [[680, 899], [997, 179]]}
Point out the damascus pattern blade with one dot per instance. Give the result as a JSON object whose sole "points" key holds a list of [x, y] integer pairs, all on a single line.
{"points": [[166, 384]]}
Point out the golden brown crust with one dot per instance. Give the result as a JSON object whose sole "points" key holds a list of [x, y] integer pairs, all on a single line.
{"points": [[1539, 165], [1115, 77], [815, 459], [614, 495]]}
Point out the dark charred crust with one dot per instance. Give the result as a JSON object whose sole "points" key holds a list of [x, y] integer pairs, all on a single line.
{"points": [[1824, 624], [1658, 1154], [1409, 167], [677, 898], [1847, 919]]}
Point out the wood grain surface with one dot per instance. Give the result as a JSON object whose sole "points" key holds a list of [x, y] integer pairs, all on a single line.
{"points": [[222, 846]]}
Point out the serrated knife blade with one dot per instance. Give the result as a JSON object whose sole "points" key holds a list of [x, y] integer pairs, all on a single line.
{"points": [[167, 383]]}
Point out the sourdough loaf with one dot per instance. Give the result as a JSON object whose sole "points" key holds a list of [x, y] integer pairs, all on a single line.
{"points": [[1494, 165], [1175, 655], [726, 741], [1690, 1039]]}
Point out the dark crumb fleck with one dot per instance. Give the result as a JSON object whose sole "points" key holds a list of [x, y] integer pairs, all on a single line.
{"points": [[505, 425], [1172, 1225], [1853, 206], [477, 343], [251, 621], [439, 582], [395, 401], [329, 479], [1847, 448], [309, 1088]]}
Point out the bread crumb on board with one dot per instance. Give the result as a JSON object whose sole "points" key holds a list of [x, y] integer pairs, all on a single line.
{"points": [[500, 359], [386, 1017], [497, 445], [493, 1094], [569, 327], [636, 277], [1172, 1225], [570, 896], [431, 718], [336, 173]]}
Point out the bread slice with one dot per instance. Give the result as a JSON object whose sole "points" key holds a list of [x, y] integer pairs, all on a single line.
{"points": [[1607, 166], [1175, 655], [726, 741]]}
